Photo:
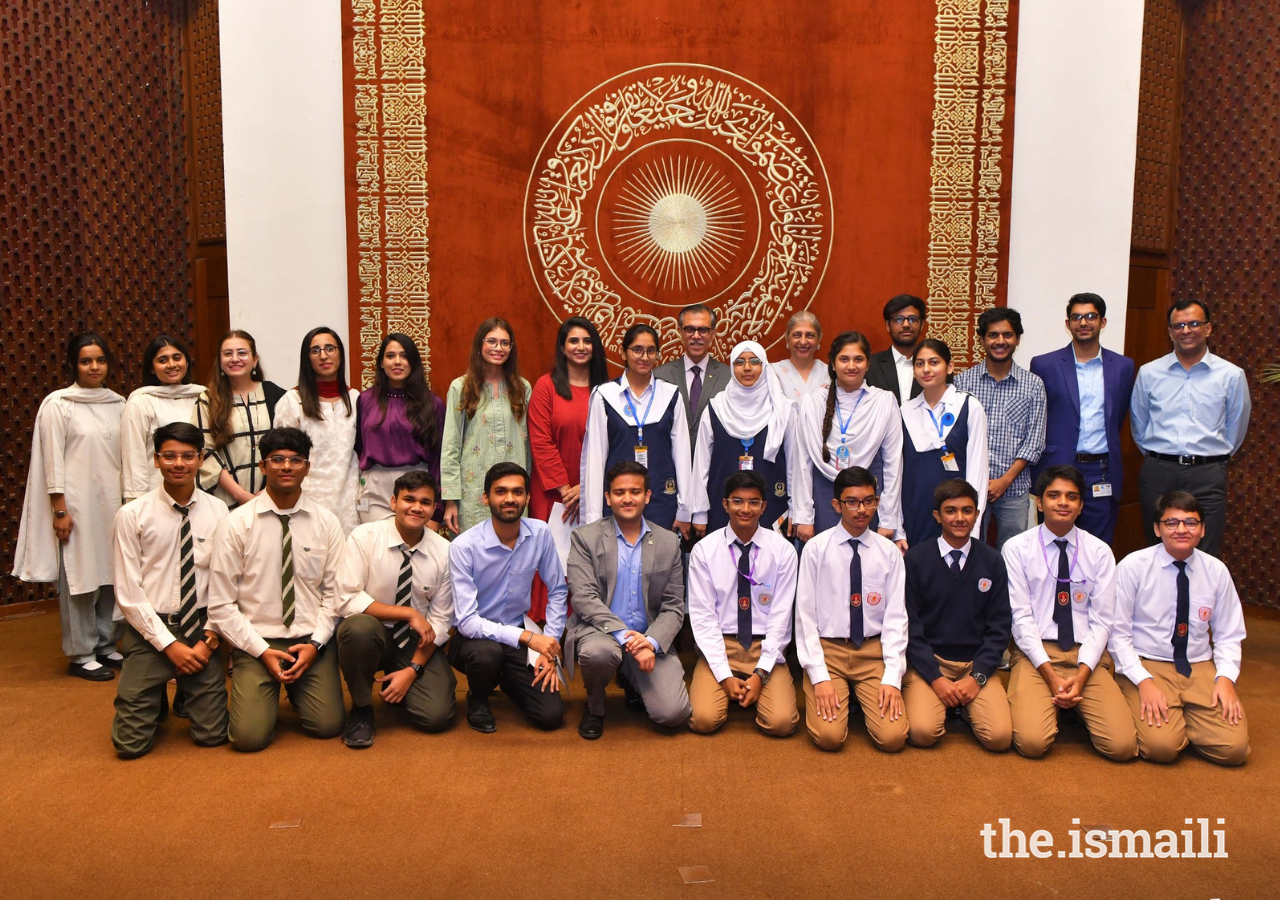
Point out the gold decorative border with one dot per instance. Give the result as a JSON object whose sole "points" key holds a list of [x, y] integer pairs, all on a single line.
{"points": [[971, 59], [389, 61]]}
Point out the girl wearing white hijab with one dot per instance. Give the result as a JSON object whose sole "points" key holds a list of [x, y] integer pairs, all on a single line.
{"points": [[167, 395], [748, 426], [73, 494]]}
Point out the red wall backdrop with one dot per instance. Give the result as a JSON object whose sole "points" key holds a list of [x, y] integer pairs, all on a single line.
{"points": [[908, 106]]}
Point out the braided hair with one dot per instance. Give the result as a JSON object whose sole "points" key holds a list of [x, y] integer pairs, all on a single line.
{"points": [[842, 340]]}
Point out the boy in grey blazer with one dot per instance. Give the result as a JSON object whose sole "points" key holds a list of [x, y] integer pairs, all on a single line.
{"points": [[626, 577]]}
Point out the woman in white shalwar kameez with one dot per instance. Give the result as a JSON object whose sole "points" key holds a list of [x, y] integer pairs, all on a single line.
{"points": [[73, 494], [166, 396]]}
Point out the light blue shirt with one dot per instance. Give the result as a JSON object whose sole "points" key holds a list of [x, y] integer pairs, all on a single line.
{"points": [[1201, 411], [627, 602], [1093, 413], [492, 584]]}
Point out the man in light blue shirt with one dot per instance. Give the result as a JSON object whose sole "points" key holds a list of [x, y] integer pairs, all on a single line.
{"points": [[1189, 414], [492, 566], [627, 579]]}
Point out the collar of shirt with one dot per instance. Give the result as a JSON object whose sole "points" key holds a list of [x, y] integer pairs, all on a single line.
{"points": [[844, 536], [689, 364], [1047, 537], [944, 548], [394, 539], [1166, 560], [266, 505], [626, 387], [489, 538], [166, 498], [1015, 373], [730, 536], [1209, 361], [644, 529], [899, 359], [1097, 358], [848, 399]]}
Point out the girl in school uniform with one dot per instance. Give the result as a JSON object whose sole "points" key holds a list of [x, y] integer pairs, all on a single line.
{"points": [[944, 436], [802, 372], [748, 427], [324, 408], [73, 494], [851, 423], [167, 395], [399, 427], [642, 418]]}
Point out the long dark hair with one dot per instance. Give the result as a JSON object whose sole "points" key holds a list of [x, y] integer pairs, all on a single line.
{"points": [[842, 340], [219, 389], [473, 381], [78, 343], [149, 376], [307, 389], [597, 369], [420, 405]]}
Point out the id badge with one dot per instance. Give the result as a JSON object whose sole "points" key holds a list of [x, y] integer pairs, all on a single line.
{"points": [[642, 455], [362, 504], [1102, 490], [949, 462], [842, 457], [746, 463], [1079, 593], [762, 595]]}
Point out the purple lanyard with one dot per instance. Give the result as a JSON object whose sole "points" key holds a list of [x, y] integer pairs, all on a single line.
{"points": [[1071, 569], [755, 557]]}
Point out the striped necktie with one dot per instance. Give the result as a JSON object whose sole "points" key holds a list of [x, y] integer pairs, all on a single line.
{"points": [[286, 571], [188, 617], [404, 593]]}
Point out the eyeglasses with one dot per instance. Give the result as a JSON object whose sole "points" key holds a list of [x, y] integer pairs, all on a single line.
{"points": [[853, 505], [906, 320], [753, 504], [498, 344], [186, 456], [1084, 317], [287, 462], [236, 354], [643, 351], [326, 350], [743, 361], [1193, 325], [1172, 524], [699, 330]]}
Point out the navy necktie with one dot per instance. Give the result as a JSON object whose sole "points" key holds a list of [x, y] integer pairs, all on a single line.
{"points": [[855, 596], [1062, 599], [955, 560], [744, 595], [1180, 661]]}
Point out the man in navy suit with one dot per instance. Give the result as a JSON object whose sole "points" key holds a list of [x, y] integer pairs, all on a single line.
{"points": [[1087, 392]]}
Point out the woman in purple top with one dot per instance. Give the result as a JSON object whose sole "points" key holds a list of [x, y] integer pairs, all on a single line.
{"points": [[399, 427]]}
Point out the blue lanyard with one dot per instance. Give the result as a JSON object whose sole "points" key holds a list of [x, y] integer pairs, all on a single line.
{"points": [[947, 419], [631, 408], [746, 445], [845, 423]]}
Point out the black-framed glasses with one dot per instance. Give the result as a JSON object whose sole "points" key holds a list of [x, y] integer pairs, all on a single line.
{"points": [[1084, 317], [287, 462], [1193, 325], [853, 505], [1172, 524], [326, 350], [906, 320], [699, 330], [643, 351]]}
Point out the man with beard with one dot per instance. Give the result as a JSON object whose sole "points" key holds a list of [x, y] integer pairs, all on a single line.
{"points": [[492, 566], [892, 370]]}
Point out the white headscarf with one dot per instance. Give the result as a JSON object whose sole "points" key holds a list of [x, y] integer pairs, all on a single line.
{"points": [[745, 411]]}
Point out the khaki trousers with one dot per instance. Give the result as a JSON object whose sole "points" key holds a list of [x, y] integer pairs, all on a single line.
{"points": [[1191, 718], [863, 667], [255, 697], [776, 712], [1101, 706], [927, 714]]}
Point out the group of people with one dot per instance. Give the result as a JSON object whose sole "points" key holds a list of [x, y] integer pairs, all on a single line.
{"points": [[713, 506]]}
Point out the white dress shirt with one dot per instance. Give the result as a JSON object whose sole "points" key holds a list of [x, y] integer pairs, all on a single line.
{"points": [[822, 600], [1032, 560], [148, 551], [923, 434], [370, 571], [905, 367], [713, 596], [1147, 609], [245, 602], [875, 429], [946, 550]]}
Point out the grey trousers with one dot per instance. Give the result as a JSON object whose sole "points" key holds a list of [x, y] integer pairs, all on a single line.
{"points": [[144, 678], [1207, 483], [666, 699], [365, 648], [86, 619], [255, 698]]}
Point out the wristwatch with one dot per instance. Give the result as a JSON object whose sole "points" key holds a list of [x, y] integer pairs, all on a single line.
{"points": [[211, 641], [762, 675], [319, 646], [980, 678], [417, 669], [59, 513]]}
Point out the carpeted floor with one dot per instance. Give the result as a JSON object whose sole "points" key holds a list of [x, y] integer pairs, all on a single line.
{"points": [[527, 814]]}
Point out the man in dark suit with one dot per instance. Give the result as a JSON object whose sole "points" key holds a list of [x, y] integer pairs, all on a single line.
{"points": [[697, 376], [891, 370], [1087, 390], [627, 580]]}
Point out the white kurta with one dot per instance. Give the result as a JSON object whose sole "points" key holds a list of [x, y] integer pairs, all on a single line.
{"points": [[75, 451], [795, 385], [147, 409], [334, 478]]}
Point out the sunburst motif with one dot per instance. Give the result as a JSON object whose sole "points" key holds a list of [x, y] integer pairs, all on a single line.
{"points": [[678, 223]]}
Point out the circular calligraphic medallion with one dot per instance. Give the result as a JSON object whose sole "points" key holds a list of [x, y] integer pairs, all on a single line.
{"points": [[675, 184]]}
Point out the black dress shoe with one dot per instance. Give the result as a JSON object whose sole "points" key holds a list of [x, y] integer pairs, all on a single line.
{"points": [[105, 659], [592, 726], [164, 704], [479, 715], [631, 697], [180, 704], [79, 670], [359, 733]]}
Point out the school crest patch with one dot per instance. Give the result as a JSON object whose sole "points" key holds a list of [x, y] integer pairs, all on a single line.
{"points": [[984, 584], [873, 599]]}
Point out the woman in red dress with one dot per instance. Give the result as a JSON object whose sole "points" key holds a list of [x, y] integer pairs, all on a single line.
{"points": [[557, 423]]}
